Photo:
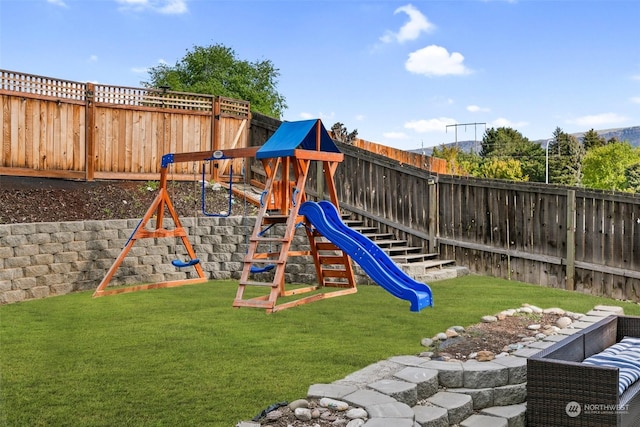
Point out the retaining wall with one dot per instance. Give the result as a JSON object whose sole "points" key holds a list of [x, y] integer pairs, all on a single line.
{"points": [[39, 260]]}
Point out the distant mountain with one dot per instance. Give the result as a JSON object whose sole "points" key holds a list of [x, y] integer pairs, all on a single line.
{"points": [[630, 134]]}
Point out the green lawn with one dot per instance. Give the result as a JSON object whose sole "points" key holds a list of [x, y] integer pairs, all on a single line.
{"points": [[185, 357]]}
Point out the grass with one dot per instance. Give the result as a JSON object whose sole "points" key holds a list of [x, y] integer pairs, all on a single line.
{"points": [[185, 357]]}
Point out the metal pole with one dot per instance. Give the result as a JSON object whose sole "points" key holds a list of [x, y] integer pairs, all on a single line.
{"points": [[546, 180]]}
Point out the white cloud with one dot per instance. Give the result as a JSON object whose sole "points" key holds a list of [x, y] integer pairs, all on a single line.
{"points": [[635, 77], [60, 3], [431, 125], [477, 109], [436, 61], [599, 120], [306, 116], [417, 24], [93, 58], [395, 135], [501, 122], [166, 7], [142, 70], [635, 99], [360, 117]]}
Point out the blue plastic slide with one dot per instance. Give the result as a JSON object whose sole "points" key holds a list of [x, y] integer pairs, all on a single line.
{"points": [[374, 261]]}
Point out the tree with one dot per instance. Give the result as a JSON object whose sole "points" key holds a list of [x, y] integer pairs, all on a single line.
{"points": [[216, 70], [452, 155], [340, 132], [604, 167], [632, 176], [565, 159], [591, 140], [507, 143], [508, 168]]}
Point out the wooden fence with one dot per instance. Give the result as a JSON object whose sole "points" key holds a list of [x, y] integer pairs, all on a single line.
{"points": [[433, 164], [64, 129], [553, 236], [561, 237]]}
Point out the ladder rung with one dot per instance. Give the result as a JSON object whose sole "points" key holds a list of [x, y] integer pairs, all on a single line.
{"points": [[274, 219], [331, 259], [334, 273], [264, 261], [254, 283], [269, 239], [326, 246]]}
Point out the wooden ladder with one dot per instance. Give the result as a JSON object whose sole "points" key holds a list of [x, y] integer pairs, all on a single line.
{"points": [[333, 267], [259, 255]]}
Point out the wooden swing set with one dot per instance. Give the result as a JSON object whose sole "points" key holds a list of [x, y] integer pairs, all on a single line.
{"points": [[286, 157]]}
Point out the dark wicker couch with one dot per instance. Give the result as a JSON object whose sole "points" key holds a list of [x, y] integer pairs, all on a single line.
{"points": [[563, 392]]}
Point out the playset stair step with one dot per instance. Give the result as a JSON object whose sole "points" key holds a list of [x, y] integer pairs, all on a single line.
{"points": [[256, 283]]}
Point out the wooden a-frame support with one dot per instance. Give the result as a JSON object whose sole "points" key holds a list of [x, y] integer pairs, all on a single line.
{"points": [[157, 209]]}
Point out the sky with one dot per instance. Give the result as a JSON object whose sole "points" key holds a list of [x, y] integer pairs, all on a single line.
{"points": [[408, 74]]}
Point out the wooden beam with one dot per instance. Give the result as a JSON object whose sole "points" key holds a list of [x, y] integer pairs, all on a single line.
{"points": [[89, 132], [38, 173], [224, 163], [205, 155], [317, 155]]}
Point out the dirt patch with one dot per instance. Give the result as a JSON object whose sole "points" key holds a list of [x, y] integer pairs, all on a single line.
{"points": [[495, 336], [26, 200]]}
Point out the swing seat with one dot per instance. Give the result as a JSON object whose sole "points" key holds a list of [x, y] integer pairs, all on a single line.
{"points": [[181, 264], [264, 269]]}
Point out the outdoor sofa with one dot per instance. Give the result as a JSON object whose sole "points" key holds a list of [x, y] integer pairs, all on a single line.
{"points": [[563, 391]]}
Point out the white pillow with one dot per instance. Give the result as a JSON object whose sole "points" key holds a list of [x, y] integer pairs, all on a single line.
{"points": [[625, 356]]}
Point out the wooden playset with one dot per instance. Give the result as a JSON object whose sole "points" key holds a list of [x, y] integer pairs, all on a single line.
{"points": [[287, 158]]}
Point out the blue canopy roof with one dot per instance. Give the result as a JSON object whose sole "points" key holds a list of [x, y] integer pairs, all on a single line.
{"points": [[296, 135]]}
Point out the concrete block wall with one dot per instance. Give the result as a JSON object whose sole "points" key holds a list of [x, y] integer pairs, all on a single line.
{"points": [[39, 260]]}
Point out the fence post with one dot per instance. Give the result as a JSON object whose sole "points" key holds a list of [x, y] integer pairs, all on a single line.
{"points": [[433, 215], [571, 241], [90, 121]]}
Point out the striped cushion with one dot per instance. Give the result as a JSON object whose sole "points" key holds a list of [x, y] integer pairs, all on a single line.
{"points": [[625, 356]]}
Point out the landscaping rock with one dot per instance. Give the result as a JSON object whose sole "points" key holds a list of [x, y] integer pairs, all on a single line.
{"points": [[303, 414], [485, 356], [337, 405], [354, 413], [426, 342], [563, 322], [299, 403]]}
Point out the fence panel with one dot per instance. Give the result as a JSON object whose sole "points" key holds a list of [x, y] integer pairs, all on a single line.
{"points": [[608, 244], [393, 195], [58, 128], [42, 135]]}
